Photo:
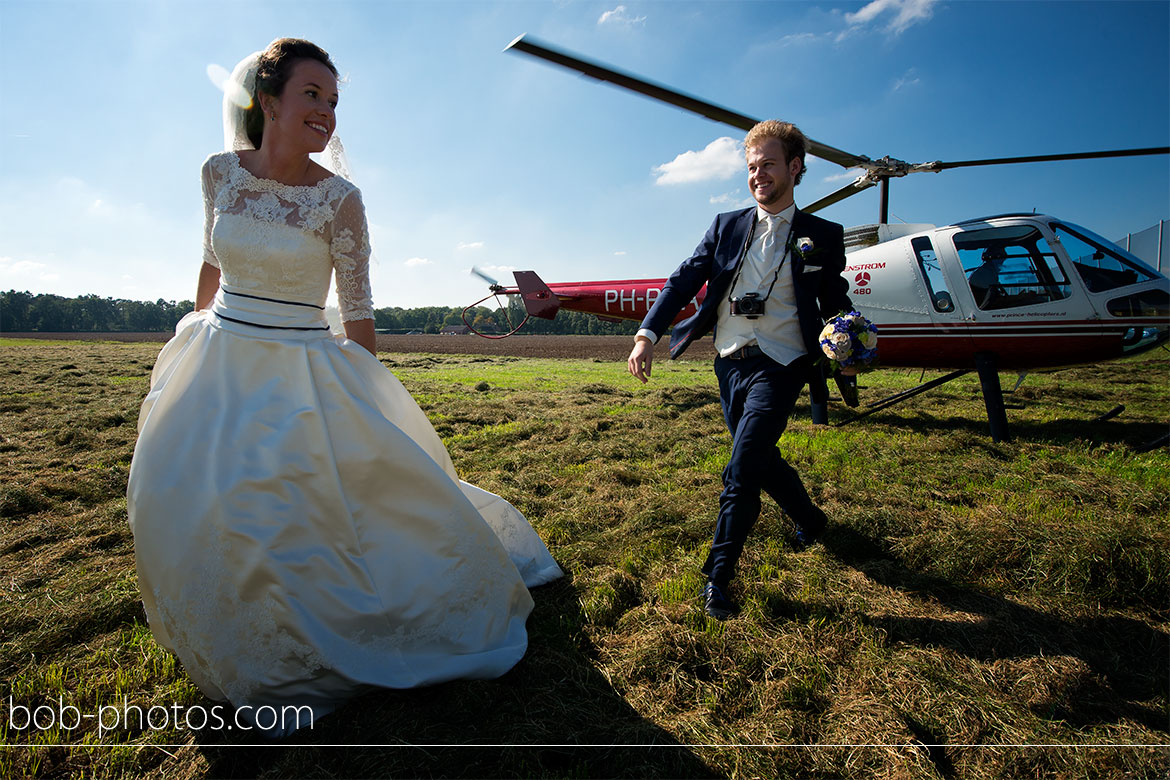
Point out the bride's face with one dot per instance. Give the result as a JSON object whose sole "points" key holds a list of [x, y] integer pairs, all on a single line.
{"points": [[306, 110]]}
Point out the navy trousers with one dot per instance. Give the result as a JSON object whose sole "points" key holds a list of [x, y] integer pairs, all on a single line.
{"points": [[758, 394]]}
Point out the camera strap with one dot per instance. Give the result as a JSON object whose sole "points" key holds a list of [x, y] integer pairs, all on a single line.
{"points": [[784, 256]]}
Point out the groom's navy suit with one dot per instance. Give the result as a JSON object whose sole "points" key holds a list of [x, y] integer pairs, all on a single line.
{"points": [[757, 392]]}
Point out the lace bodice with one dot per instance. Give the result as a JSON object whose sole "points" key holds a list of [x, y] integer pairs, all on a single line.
{"points": [[283, 241]]}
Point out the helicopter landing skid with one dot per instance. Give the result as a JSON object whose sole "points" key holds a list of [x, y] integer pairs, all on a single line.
{"points": [[877, 406], [992, 396]]}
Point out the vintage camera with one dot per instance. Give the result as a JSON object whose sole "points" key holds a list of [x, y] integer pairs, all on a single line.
{"points": [[750, 305]]}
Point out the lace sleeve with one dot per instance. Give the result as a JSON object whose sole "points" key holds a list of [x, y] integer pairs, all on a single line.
{"points": [[208, 214], [350, 249]]}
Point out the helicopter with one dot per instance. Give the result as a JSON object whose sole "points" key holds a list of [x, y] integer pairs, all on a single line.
{"points": [[1010, 291]]}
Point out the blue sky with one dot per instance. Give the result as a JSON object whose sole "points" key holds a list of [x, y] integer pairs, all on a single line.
{"points": [[469, 156]]}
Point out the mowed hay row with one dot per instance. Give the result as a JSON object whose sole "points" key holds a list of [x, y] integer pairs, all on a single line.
{"points": [[971, 603]]}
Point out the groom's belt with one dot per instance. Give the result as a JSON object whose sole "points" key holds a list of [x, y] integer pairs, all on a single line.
{"points": [[750, 351]]}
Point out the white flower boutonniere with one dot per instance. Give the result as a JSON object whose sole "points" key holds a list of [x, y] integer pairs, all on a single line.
{"points": [[804, 246]]}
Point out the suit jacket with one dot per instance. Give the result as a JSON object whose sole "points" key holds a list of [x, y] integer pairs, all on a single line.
{"points": [[820, 290]]}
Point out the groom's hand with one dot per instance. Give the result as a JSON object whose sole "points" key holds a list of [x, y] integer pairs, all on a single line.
{"points": [[641, 358]]}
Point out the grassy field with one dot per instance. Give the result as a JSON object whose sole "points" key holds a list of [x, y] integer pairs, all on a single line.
{"points": [[977, 610]]}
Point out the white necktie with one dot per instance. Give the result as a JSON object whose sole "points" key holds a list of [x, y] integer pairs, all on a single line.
{"points": [[771, 240]]}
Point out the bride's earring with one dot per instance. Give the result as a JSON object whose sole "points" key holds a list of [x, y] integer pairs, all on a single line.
{"points": [[273, 116]]}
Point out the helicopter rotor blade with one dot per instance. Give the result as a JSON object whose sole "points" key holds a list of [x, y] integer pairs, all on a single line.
{"points": [[942, 166], [477, 272], [665, 94], [860, 184]]}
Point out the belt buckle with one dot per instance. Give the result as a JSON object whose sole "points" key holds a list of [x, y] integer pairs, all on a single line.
{"points": [[741, 353]]}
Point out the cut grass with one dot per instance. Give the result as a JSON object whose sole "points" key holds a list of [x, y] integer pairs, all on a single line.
{"points": [[972, 601]]}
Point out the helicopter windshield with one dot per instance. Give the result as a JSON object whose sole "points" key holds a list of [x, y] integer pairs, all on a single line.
{"points": [[1102, 265], [1010, 266]]}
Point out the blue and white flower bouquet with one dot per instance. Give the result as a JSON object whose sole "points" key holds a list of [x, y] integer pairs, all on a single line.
{"points": [[849, 342]]}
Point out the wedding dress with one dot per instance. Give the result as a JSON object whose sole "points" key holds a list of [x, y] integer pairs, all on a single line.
{"points": [[299, 529]]}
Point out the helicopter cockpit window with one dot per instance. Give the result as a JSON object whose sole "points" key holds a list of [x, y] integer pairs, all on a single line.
{"points": [[1102, 264], [1011, 266], [931, 270]]}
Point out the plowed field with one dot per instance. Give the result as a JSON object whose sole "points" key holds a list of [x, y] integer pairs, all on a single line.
{"points": [[599, 347]]}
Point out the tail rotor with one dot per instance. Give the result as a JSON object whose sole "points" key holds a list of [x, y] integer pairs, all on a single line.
{"points": [[493, 285], [495, 289]]}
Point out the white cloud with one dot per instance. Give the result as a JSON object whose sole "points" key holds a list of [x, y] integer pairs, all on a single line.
{"points": [[732, 199], [906, 13], [105, 210], [10, 265], [796, 38], [619, 15], [469, 245], [908, 79], [411, 262], [620, 253], [83, 248], [848, 174], [14, 272], [720, 160]]}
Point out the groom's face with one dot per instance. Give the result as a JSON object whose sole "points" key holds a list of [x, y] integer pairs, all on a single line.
{"points": [[770, 175]]}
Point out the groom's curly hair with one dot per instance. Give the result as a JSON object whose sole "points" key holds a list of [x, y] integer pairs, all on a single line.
{"points": [[272, 73], [787, 133]]}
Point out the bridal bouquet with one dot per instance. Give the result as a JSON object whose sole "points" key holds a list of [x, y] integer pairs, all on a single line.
{"points": [[849, 342]]}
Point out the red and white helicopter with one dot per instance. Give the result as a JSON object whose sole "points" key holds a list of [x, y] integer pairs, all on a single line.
{"points": [[1012, 291]]}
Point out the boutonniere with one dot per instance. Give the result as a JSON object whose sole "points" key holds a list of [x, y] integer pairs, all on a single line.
{"points": [[805, 246]]}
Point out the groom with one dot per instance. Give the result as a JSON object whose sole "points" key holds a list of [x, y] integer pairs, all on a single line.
{"points": [[773, 276]]}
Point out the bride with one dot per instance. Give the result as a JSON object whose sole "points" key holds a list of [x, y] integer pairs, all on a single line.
{"points": [[299, 529]]}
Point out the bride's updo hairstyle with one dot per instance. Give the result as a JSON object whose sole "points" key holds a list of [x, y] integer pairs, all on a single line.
{"points": [[272, 72]]}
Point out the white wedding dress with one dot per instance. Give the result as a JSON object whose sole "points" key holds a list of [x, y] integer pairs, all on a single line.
{"points": [[299, 530]]}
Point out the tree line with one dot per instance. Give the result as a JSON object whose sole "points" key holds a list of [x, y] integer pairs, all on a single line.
{"points": [[433, 319], [23, 312]]}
